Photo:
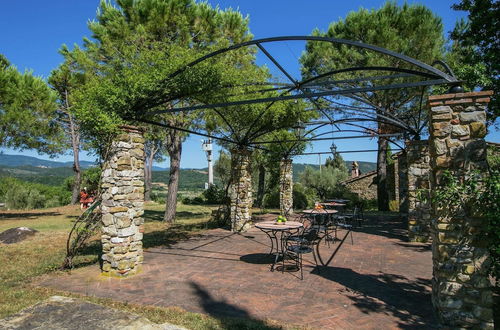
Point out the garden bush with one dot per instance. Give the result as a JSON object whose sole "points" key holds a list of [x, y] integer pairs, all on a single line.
{"points": [[215, 195], [302, 197], [18, 194]]}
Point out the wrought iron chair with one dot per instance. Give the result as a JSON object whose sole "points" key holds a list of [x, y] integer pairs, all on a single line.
{"points": [[345, 221], [297, 246]]}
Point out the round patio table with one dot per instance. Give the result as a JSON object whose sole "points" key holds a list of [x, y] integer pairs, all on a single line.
{"points": [[333, 204], [320, 211], [273, 230], [337, 200]]}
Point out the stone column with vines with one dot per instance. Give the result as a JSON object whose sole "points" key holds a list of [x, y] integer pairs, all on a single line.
{"points": [[240, 190], [462, 293], [419, 208], [286, 187], [122, 207]]}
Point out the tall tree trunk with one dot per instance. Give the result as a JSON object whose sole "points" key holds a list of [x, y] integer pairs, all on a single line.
{"points": [[148, 174], [174, 148], [382, 191], [260, 188], [75, 146]]}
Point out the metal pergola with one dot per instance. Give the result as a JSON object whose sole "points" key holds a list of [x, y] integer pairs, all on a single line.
{"points": [[322, 92]]}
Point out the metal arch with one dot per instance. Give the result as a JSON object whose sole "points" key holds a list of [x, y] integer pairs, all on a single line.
{"points": [[371, 68], [379, 118], [381, 50], [329, 138], [302, 96]]}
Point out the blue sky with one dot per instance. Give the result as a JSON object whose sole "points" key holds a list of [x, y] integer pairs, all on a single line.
{"points": [[34, 30]]}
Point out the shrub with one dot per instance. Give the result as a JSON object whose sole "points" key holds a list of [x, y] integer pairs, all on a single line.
{"points": [[25, 195], [214, 195], [302, 197], [160, 197], [198, 200]]}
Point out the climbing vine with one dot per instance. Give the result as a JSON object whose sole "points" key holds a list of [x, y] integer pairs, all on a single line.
{"points": [[478, 195]]}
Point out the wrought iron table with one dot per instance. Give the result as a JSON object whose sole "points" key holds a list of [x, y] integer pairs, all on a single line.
{"points": [[273, 230]]}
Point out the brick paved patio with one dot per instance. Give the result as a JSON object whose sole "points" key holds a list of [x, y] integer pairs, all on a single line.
{"points": [[380, 282]]}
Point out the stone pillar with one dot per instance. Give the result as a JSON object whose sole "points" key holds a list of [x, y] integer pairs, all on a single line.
{"points": [[241, 190], [461, 290], [391, 184], [419, 206], [396, 181], [122, 205], [403, 184], [286, 187]]}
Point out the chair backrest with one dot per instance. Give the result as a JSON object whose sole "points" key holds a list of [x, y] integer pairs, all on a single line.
{"points": [[311, 236]]}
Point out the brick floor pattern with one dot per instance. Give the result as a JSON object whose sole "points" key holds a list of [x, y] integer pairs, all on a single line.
{"points": [[379, 282]]}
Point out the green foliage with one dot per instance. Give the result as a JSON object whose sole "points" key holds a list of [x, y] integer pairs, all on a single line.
{"points": [[138, 45], [326, 183], [188, 179], [90, 179], [476, 196], [412, 30], [302, 197], [198, 200], [493, 156], [48, 176], [475, 49], [211, 196], [215, 195], [24, 195], [27, 111], [336, 162], [222, 167]]}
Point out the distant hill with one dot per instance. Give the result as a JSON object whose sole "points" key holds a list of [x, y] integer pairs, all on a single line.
{"points": [[364, 167], [32, 169], [20, 160], [53, 176]]}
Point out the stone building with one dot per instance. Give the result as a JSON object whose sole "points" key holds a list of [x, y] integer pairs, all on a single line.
{"points": [[364, 185]]}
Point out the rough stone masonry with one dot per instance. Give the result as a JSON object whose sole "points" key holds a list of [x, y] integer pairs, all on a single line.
{"points": [[462, 293], [241, 190], [286, 187], [418, 188], [123, 204]]}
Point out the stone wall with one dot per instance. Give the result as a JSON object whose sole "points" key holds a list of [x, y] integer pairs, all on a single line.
{"points": [[403, 183], [286, 187], [122, 205], [462, 292], [363, 185], [240, 190], [418, 189]]}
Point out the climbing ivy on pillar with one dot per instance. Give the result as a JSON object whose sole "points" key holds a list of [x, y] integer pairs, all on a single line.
{"points": [[241, 190], [123, 204], [461, 291], [286, 187], [419, 208]]}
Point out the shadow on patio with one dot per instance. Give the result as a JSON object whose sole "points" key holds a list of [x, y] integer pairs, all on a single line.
{"points": [[377, 282], [407, 300], [228, 314]]}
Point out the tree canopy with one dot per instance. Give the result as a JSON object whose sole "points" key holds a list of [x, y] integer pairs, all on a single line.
{"points": [[475, 48], [27, 108]]}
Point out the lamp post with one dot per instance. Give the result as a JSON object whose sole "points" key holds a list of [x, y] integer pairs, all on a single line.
{"points": [[207, 147], [333, 149]]}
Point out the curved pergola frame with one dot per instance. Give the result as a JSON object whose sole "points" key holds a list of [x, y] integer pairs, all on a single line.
{"points": [[315, 88]]}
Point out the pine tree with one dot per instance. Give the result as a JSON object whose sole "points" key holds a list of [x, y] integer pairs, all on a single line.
{"points": [[411, 30]]}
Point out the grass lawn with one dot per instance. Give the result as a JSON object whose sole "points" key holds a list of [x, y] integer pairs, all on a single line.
{"points": [[43, 253]]}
